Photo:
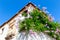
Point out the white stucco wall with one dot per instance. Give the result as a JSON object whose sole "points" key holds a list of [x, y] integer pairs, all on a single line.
{"points": [[14, 30]]}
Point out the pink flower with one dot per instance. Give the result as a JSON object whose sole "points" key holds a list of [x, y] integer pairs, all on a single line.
{"points": [[57, 30], [31, 32], [16, 26], [28, 12]]}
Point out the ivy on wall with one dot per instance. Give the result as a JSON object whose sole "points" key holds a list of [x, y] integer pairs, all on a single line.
{"points": [[39, 22]]}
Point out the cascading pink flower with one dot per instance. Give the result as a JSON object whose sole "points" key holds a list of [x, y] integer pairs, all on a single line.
{"points": [[17, 25], [31, 32], [57, 30]]}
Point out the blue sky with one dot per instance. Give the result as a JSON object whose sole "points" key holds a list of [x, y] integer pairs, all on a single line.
{"points": [[8, 8]]}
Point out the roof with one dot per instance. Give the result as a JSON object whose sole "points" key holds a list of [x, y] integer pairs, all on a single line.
{"points": [[18, 13]]}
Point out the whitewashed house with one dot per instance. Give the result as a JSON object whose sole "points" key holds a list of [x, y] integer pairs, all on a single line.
{"points": [[9, 30]]}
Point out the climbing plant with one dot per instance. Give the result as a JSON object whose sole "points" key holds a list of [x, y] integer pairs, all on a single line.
{"points": [[39, 22]]}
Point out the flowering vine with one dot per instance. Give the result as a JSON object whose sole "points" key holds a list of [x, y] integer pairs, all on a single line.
{"points": [[38, 22]]}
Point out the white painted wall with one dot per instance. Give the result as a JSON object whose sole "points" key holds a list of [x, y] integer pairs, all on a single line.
{"points": [[4, 32], [21, 36]]}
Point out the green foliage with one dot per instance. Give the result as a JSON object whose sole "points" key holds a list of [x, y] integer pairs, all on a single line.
{"points": [[24, 14], [58, 37], [37, 23]]}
